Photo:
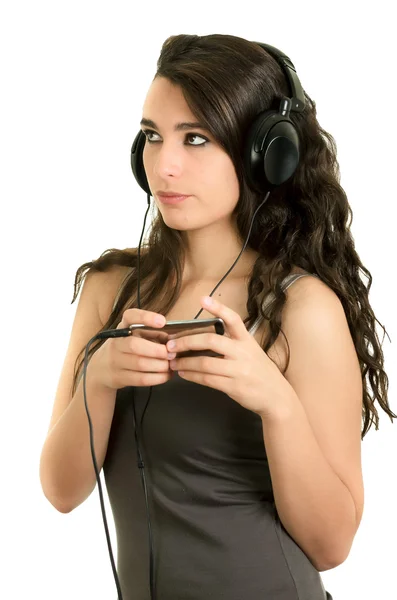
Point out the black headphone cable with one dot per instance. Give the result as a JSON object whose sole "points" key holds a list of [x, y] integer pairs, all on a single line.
{"points": [[113, 333]]}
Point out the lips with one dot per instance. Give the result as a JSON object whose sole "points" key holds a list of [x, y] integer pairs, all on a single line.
{"points": [[171, 199], [171, 194]]}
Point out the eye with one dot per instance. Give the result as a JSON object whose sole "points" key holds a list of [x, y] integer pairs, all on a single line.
{"points": [[196, 135], [149, 132]]}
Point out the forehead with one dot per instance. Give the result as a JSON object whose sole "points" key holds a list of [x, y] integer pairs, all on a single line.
{"points": [[164, 98]]}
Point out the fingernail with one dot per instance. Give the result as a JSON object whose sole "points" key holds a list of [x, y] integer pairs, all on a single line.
{"points": [[171, 355]]}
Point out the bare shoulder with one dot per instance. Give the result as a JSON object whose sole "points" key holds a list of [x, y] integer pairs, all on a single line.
{"points": [[109, 283], [308, 289], [313, 311], [311, 300]]}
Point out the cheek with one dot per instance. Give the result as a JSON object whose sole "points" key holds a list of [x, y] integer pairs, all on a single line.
{"points": [[224, 180], [147, 162]]}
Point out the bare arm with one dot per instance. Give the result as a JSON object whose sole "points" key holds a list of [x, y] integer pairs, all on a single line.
{"points": [[66, 467], [314, 444], [67, 472], [314, 505]]}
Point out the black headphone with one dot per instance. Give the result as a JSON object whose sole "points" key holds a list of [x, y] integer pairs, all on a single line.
{"points": [[271, 149]]}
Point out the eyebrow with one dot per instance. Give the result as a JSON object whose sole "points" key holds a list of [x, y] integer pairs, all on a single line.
{"points": [[177, 127]]}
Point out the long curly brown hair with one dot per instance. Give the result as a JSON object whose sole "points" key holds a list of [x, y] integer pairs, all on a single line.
{"points": [[226, 81]]}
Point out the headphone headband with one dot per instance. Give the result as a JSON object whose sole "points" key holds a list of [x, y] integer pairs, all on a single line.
{"points": [[297, 95]]}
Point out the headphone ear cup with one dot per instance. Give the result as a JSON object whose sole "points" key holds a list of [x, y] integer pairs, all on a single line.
{"points": [[271, 151], [137, 162]]}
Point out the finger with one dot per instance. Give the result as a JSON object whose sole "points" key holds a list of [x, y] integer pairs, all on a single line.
{"points": [[235, 326], [143, 347], [217, 382], [205, 341], [145, 317], [205, 364], [144, 364]]}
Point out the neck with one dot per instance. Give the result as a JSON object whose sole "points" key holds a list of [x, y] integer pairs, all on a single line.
{"points": [[199, 270]]}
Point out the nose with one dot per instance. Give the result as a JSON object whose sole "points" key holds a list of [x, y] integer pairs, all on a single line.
{"points": [[166, 159]]}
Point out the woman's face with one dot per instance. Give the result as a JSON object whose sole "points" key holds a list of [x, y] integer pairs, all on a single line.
{"points": [[186, 161]]}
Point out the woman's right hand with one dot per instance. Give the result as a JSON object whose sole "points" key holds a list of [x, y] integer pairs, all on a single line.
{"points": [[132, 360]]}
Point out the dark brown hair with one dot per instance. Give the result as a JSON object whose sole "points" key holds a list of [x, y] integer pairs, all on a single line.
{"points": [[226, 81]]}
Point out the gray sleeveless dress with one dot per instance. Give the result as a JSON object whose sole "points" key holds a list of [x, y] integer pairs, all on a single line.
{"points": [[215, 526]]}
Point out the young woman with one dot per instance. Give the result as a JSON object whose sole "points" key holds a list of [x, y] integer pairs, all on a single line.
{"points": [[254, 459]]}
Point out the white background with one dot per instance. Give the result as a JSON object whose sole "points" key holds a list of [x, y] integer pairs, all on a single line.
{"points": [[74, 76]]}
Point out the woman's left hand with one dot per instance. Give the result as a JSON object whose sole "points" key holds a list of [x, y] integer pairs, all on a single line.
{"points": [[246, 373]]}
